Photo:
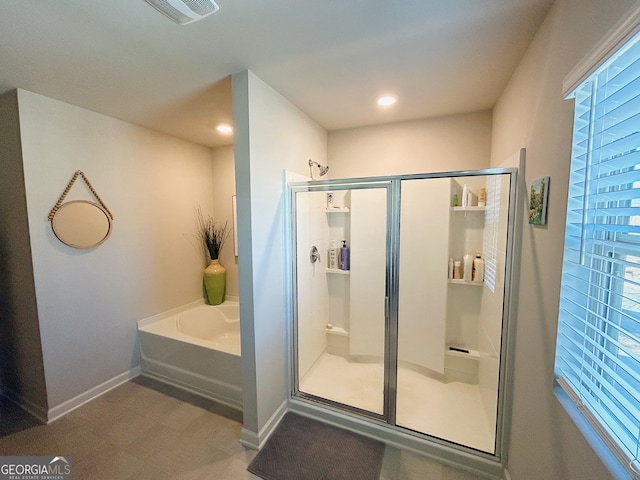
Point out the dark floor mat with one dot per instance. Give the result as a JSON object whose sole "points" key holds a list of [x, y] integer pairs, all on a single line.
{"points": [[303, 448]]}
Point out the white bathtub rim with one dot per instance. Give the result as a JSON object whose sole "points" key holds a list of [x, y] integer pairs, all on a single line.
{"points": [[159, 329], [164, 325], [228, 299]]}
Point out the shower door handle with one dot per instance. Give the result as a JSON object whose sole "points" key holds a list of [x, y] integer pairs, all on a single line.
{"points": [[386, 309]]}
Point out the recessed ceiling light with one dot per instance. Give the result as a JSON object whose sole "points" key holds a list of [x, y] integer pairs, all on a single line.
{"points": [[224, 128], [387, 100]]}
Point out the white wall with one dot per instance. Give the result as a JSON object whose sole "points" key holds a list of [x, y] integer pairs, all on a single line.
{"points": [[224, 187], [89, 300], [311, 278], [367, 275], [457, 142], [271, 135], [531, 113], [424, 251]]}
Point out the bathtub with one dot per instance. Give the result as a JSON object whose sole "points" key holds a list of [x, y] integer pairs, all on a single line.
{"points": [[197, 348]]}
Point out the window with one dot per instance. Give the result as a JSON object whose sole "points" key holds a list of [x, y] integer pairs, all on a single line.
{"points": [[598, 344], [491, 231]]}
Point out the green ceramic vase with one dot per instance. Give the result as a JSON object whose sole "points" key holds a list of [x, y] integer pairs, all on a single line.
{"points": [[215, 279]]}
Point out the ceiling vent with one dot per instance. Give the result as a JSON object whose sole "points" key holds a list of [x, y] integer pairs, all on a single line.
{"points": [[184, 11]]}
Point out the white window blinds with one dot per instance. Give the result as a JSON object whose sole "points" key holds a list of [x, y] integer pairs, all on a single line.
{"points": [[598, 345], [491, 231]]}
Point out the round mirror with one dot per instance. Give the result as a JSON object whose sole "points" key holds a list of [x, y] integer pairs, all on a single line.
{"points": [[81, 224]]}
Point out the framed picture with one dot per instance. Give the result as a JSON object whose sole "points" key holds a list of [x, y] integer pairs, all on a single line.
{"points": [[538, 201]]}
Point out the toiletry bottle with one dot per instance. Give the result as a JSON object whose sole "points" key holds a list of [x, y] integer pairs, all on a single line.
{"points": [[333, 255], [482, 197], [454, 200], [467, 266], [457, 274], [450, 275], [344, 256], [465, 196], [329, 200], [478, 268]]}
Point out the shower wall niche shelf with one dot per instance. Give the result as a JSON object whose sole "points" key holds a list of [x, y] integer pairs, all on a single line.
{"points": [[337, 271], [462, 353], [465, 282], [338, 210], [468, 209], [466, 234], [337, 331]]}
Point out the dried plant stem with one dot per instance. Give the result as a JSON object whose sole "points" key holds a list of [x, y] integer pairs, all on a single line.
{"points": [[213, 234]]}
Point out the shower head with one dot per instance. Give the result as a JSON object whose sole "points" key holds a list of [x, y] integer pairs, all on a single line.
{"points": [[322, 168]]}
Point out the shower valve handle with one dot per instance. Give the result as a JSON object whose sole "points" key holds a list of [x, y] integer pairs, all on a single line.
{"points": [[314, 255]]}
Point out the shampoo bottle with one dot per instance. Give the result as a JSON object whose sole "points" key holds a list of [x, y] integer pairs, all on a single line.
{"points": [[467, 266], [478, 269], [344, 256], [482, 197], [457, 275], [451, 268], [334, 253], [465, 196]]}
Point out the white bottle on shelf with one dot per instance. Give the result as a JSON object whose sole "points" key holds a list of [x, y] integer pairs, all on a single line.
{"points": [[478, 268], [333, 255], [467, 266], [465, 196], [450, 268]]}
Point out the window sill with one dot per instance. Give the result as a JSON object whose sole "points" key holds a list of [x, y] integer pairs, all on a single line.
{"points": [[609, 460]]}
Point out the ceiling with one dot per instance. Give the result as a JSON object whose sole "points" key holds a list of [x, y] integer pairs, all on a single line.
{"points": [[331, 59]]}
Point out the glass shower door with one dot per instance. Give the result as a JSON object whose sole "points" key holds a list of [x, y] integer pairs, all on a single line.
{"points": [[451, 293], [340, 298]]}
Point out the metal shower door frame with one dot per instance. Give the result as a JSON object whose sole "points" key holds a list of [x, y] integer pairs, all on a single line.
{"points": [[393, 184]]}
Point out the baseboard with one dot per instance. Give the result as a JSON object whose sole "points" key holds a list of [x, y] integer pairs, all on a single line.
{"points": [[256, 441], [37, 411], [229, 401], [79, 400]]}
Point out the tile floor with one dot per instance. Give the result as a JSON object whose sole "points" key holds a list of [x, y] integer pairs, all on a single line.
{"points": [[144, 429]]}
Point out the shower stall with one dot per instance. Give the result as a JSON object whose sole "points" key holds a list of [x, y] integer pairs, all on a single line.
{"points": [[402, 335]]}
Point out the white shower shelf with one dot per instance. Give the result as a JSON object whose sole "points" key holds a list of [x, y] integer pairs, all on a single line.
{"points": [[338, 271], [456, 352], [337, 331], [468, 209], [338, 210], [464, 282]]}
